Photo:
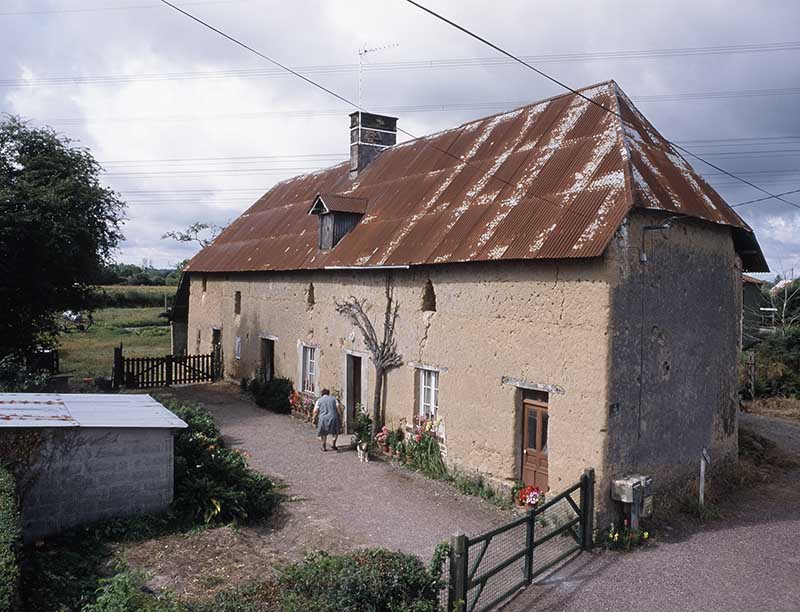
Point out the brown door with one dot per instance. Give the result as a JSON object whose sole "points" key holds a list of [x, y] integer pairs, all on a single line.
{"points": [[534, 441]]}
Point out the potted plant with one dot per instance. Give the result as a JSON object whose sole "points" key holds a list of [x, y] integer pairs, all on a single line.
{"points": [[382, 438], [530, 496], [518, 486]]}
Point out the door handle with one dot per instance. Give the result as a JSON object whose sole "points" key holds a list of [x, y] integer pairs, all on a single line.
{"points": [[525, 451]]}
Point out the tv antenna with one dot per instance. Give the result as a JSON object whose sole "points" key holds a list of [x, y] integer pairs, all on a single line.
{"points": [[362, 53]]}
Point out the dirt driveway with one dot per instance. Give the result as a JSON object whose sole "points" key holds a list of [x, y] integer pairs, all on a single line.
{"points": [[748, 560], [355, 504]]}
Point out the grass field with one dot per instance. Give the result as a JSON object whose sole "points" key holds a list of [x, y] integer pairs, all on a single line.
{"points": [[140, 330]]}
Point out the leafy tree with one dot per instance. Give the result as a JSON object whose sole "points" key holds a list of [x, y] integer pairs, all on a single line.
{"points": [[58, 226]]}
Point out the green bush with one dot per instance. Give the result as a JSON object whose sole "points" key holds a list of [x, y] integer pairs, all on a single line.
{"points": [[475, 485], [124, 592], [214, 483], [362, 428], [16, 378], [9, 540], [255, 597], [778, 365], [368, 580], [425, 456], [274, 395]]}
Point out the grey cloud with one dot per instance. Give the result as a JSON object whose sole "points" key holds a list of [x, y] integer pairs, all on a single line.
{"points": [[307, 33]]}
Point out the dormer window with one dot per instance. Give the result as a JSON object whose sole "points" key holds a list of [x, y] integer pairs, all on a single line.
{"points": [[338, 215]]}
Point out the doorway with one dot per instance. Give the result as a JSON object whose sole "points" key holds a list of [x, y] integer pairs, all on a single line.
{"points": [[534, 438], [216, 350], [267, 363], [353, 391]]}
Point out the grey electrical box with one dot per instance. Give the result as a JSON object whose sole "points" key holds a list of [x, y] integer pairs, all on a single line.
{"points": [[636, 492]]}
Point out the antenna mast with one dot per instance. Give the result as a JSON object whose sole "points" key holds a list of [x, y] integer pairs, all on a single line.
{"points": [[362, 52]]}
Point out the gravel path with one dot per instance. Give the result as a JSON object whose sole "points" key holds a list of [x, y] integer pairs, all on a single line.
{"points": [[362, 504], [748, 560]]}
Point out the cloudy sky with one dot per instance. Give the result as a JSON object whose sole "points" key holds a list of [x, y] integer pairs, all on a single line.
{"points": [[190, 127]]}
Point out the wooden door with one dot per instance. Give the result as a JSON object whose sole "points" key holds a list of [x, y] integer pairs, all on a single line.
{"points": [[534, 442]]}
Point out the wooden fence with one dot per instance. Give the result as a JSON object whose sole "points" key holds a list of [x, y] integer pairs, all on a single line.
{"points": [[150, 372]]}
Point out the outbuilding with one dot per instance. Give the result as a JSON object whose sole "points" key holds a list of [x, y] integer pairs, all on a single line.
{"points": [[97, 456]]}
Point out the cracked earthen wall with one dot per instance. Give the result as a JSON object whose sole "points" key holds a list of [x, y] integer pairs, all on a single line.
{"points": [[538, 322]]}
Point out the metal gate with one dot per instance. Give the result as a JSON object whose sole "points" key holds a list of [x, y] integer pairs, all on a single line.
{"points": [[487, 569]]}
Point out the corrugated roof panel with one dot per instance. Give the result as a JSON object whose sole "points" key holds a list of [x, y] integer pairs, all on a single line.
{"points": [[23, 410], [553, 179]]}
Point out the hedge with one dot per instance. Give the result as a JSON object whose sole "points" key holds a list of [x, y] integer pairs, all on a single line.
{"points": [[370, 580], [9, 540], [273, 395], [213, 483]]}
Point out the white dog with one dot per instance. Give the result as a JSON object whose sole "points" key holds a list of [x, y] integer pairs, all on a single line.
{"points": [[362, 448]]}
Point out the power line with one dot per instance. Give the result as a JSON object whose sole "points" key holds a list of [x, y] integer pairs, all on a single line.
{"points": [[430, 64], [766, 198], [407, 109], [233, 159], [582, 95], [97, 9], [313, 83]]}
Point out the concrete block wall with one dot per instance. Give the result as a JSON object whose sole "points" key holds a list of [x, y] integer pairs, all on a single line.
{"points": [[98, 473]]}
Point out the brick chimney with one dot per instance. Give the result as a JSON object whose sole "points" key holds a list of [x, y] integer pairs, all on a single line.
{"points": [[369, 135]]}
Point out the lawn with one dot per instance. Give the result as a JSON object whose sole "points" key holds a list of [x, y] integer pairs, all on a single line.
{"points": [[89, 354]]}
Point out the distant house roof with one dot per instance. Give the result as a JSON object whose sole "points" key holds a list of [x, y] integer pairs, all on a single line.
{"points": [[551, 180], [22, 410], [746, 278]]}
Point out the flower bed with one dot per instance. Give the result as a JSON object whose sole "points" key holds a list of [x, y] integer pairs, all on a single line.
{"points": [[302, 405]]}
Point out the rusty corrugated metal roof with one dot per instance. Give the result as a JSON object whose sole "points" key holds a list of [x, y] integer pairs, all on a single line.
{"points": [[551, 180]]}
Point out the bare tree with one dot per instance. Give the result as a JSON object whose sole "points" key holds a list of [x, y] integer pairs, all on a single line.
{"points": [[384, 351], [201, 233], [785, 299]]}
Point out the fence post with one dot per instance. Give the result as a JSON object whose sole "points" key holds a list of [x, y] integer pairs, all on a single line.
{"points": [[529, 540], [587, 509], [457, 592], [168, 368], [118, 371]]}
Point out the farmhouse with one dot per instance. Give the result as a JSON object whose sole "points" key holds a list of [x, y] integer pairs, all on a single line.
{"points": [[569, 290], [96, 456]]}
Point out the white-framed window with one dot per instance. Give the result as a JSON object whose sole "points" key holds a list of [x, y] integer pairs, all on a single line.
{"points": [[237, 348], [309, 373], [428, 393]]}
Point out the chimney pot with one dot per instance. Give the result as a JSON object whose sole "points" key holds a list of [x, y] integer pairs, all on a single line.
{"points": [[369, 135]]}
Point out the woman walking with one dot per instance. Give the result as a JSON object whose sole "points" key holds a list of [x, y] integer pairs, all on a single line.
{"points": [[326, 417]]}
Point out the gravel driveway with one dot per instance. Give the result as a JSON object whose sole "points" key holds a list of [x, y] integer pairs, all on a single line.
{"points": [[748, 560], [362, 504]]}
